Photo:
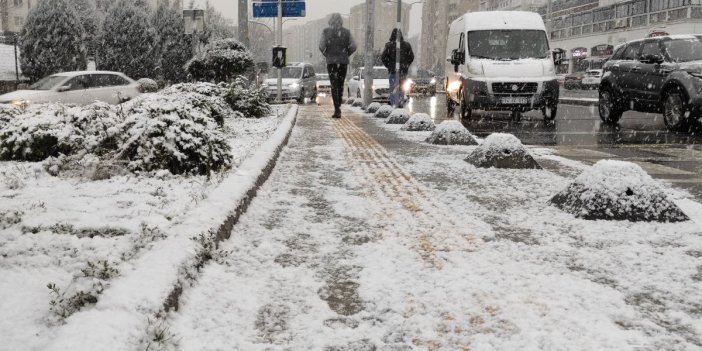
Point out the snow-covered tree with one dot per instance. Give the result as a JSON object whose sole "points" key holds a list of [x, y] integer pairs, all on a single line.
{"points": [[129, 43], [175, 47], [51, 40], [87, 15], [221, 61], [216, 26]]}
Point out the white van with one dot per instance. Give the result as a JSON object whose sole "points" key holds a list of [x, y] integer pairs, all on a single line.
{"points": [[501, 60]]}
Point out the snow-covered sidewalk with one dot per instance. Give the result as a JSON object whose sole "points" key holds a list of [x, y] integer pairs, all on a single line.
{"points": [[79, 234], [363, 240]]}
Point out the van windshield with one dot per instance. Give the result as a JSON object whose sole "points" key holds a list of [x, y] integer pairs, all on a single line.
{"points": [[508, 44]]}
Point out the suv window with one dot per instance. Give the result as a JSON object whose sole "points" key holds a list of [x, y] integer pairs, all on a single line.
{"points": [[651, 48], [107, 80], [631, 51], [79, 82], [618, 54]]}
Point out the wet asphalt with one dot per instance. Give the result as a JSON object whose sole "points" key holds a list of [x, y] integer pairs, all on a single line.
{"points": [[578, 134]]}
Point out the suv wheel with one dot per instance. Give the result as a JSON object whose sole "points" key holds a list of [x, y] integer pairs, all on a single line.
{"points": [[675, 110], [301, 98], [609, 106]]}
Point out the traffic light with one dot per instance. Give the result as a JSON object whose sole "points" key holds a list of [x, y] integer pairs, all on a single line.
{"points": [[280, 57]]}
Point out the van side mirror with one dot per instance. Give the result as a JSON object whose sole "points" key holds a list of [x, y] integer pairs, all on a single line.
{"points": [[651, 58], [457, 58], [557, 57]]}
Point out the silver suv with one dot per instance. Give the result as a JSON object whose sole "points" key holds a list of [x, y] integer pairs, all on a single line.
{"points": [[299, 82]]}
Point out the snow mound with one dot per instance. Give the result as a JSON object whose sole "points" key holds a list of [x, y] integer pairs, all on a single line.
{"points": [[148, 85], [357, 103], [501, 150], [451, 133], [373, 107], [399, 116], [350, 101], [419, 122], [617, 190], [384, 111]]}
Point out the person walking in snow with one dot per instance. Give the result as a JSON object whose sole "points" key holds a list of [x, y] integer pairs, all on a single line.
{"points": [[388, 59], [337, 45]]}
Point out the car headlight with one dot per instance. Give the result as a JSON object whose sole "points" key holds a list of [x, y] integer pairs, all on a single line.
{"points": [[408, 85], [433, 81], [294, 85], [19, 102]]}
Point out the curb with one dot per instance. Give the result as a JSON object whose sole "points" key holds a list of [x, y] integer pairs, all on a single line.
{"points": [[152, 283], [578, 101]]}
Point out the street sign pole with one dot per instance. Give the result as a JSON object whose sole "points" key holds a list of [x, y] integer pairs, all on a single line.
{"points": [[280, 43], [397, 54]]}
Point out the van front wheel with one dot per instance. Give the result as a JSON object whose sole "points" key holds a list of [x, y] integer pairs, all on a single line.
{"points": [[466, 111]]}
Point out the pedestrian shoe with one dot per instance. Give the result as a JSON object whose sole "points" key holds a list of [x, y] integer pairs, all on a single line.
{"points": [[337, 114]]}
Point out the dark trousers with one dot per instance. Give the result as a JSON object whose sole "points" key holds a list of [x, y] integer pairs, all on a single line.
{"points": [[337, 76]]}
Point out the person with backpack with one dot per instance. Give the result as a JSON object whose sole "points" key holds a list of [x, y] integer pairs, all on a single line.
{"points": [[388, 59], [337, 45]]}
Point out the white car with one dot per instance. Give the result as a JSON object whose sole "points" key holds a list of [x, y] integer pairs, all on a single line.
{"points": [[323, 84], [80, 88], [592, 79], [381, 84], [299, 82]]}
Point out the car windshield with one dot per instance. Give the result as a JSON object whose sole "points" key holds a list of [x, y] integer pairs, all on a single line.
{"points": [[379, 72], [684, 50], [288, 72], [322, 76], [47, 83], [508, 44]]}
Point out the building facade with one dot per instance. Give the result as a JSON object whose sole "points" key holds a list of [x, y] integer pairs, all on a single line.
{"points": [[13, 14], [437, 15], [511, 5]]}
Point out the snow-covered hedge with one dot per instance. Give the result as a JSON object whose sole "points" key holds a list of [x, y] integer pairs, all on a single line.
{"points": [[205, 96], [500, 150], [373, 107], [398, 116], [40, 132], [8, 113], [221, 61], [419, 122], [203, 88], [451, 133], [148, 85], [617, 190], [384, 111], [174, 132], [248, 99]]}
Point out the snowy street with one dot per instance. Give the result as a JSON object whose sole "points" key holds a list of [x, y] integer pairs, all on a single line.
{"points": [[367, 238]]}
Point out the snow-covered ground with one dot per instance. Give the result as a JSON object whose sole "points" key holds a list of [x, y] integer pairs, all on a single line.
{"points": [[365, 243], [53, 228]]}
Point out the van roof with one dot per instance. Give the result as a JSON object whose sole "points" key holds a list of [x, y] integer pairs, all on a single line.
{"points": [[486, 20]]}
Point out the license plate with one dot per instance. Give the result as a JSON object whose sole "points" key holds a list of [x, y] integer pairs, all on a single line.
{"points": [[514, 100]]}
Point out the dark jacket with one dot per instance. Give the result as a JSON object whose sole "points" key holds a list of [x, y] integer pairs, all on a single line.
{"points": [[406, 54], [337, 45]]}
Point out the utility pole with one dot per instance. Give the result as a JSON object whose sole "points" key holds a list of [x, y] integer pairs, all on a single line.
{"points": [[397, 54], [244, 22], [370, 54], [280, 43], [17, 82]]}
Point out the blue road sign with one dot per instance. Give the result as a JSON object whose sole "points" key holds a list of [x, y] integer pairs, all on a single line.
{"points": [[269, 8]]}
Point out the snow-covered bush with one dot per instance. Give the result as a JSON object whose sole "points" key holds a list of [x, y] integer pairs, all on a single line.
{"points": [[148, 85], [203, 88], [8, 113], [357, 103], [451, 133], [43, 131], [373, 107], [51, 40], [419, 122], [173, 132], [399, 116], [129, 43], [249, 100], [221, 61], [384, 111], [501, 150], [205, 96], [617, 190]]}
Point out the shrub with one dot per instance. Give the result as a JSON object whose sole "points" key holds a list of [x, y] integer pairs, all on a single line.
{"points": [[41, 132], [8, 113], [204, 96], [148, 85], [173, 132], [221, 61], [250, 100]]}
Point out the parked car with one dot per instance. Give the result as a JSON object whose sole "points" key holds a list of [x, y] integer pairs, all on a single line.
{"points": [[80, 87], [659, 75], [299, 82], [592, 79], [381, 83], [323, 84], [424, 82], [501, 60], [574, 80]]}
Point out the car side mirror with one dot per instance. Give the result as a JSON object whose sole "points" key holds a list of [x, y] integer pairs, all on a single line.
{"points": [[61, 89], [651, 58], [557, 57]]}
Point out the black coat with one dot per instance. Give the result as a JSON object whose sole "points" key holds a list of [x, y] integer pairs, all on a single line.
{"points": [[337, 45], [406, 56]]}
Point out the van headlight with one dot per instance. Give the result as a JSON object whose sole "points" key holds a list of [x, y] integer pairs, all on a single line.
{"points": [[433, 81]]}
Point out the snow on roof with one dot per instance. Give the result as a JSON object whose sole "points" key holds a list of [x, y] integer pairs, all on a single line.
{"points": [[7, 62], [486, 20]]}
